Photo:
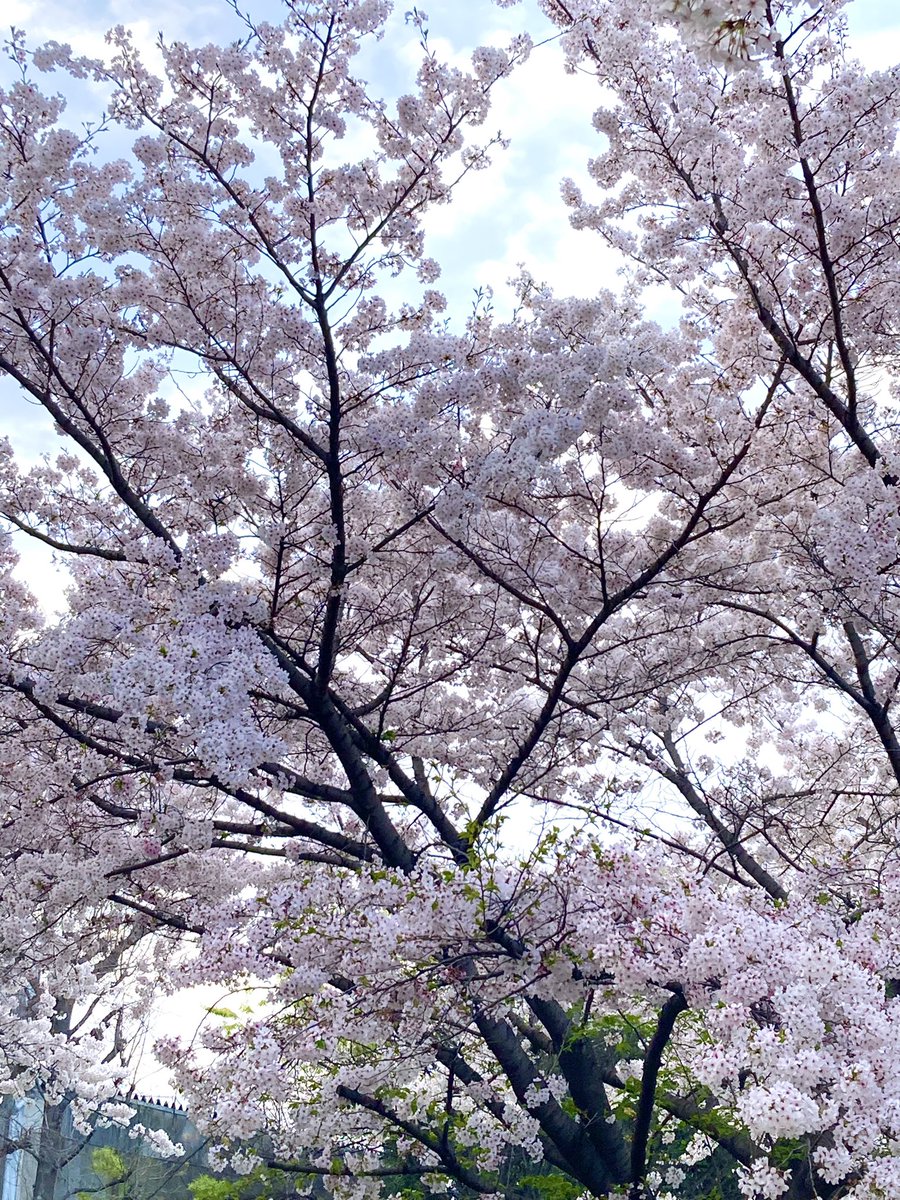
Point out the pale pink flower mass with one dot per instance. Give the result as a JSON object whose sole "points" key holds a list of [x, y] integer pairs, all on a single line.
{"points": [[502, 701]]}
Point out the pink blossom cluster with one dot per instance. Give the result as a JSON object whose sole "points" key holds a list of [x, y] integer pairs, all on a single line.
{"points": [[501, 711]]}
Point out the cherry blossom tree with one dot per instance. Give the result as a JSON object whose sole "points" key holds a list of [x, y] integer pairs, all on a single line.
{"points": [[504, 707]]}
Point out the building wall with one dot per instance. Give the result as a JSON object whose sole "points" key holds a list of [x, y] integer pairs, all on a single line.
{"points": [[42, 1152]]}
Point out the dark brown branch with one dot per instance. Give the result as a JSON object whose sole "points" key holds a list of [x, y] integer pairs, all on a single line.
{"points": [[732, 844], [66, 547], [673, 1007], [584, 1161], [156, 915], [582, 1060], [449, 1161]]}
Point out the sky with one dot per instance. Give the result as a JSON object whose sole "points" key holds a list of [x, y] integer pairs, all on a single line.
{"points": [[511, 214], [500, 219], [508, 215]]}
